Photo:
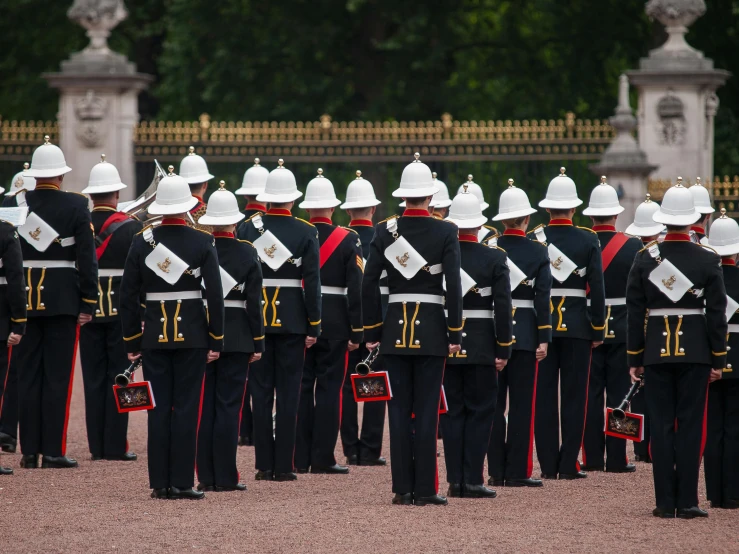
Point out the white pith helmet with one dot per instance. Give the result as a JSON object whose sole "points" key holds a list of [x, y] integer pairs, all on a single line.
{"points": [[603, 200], [441, 198], [173, 196], [21, 181], [193, 168], [561, 193], [701, 198], [678, 207], [466, 211], [724, 237], [255, 178], [360, 194], [319, 193], [644, 225], [47, 161], [514, 203], [475, 189], [280, 186], [416, 181], [222, 209], [104, 177]]}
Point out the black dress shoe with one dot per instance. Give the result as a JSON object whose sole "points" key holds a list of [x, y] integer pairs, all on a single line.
{"points": [[246, 441], [8, 443], [573, 476], [58, 462], [29, 461], [264, 476], [548, 475], [6, 471], [435, 500], [478, 491], [335, 469], [665, 514], [352, 460], [185, 494], [690, 513], [645, 459], [591, 468], [403, 499], [496, 482], [379, 461], [454, 490], [237, 487], [730, 504], [301, 470], [161, 494], [289, 476], [530, 482], [125, 457], [628, 468], [206, 488], [95, 458]]}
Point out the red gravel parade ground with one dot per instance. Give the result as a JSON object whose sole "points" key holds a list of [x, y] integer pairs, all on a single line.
{"points": [[105, 507]]}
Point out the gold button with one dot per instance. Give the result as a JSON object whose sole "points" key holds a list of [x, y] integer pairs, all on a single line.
{"points": [[277, 302], [564, 326], [611, 318], [397, 341], [664, 333], [179, 335], [513, 337], [416, 342], [665, 316], [682, 350], [728, 348], [161, 337], [610, 333], [417, 303], [464, 352], [404, 302], [179, 301], [161, 301], [400, 321], [97, 311], [262, 302], [28, 288], [112, 292], [161, 319], [464, 335], [42, 304], [278, 321], [662, 351], [418, 322], [115, 310], [564, 309], [514, 321], [680, 333], [728, 366], [179, 318], [41, 287]]}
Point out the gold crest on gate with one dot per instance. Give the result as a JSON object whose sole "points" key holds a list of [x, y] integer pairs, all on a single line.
{"points": [[164, 266]]}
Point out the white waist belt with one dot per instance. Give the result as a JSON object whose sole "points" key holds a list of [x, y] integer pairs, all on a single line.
{"points": [[384, 291], [4, 281], [522, 303], [613, 301], [231, 303], [662, 312], [110, 273], [49, 264], [334, 290], [421, 298], [580, 293], [294, 283], [181, 295], [477, 314], [732, 328]]}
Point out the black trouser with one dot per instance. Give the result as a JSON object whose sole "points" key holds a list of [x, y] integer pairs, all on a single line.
{"points": [[416, 385], [103, 357], [639, 406], [9, 393], [567, 363], [511, 450], [368, 444], [177, 378], [471, 394], [319, 412], [722, 441], [676, 399], [223, 395], [246, 427], [609, 373], [46, 358], [277, 373]]}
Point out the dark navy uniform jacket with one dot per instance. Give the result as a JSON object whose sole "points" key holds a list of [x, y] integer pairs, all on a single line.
{"points": [[342, 270], [484, 338], [290, 309], [691, 339], [531, 326], [12, 283], [179, 321], [410, 327], [253, 209], [731, 281]]}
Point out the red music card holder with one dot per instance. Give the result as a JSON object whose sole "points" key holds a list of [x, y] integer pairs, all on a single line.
{"points": [[136, 396], [373, 387], [631, 427]]}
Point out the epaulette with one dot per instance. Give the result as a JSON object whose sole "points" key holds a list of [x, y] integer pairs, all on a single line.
{"points": [[540, 226], [587, 229], [388, 218], [544, 244], [646, 247], [349, 229], [707, 248], [246, 241], [306, 222], [202, 231]]}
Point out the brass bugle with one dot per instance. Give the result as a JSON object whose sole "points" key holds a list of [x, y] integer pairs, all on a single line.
{"points": [[363, 367], [124, 379], [620, 412]]}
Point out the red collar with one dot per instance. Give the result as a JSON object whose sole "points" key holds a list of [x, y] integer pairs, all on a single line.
{"points": [[257, 207], [199, 199], [173, 221], [278, 211], [560, 221], [698, 229], [727, 261], [677, 237], [514, 233], [466, 237], [48, 186], [599, 228], [325, 220], [223, 234], [415, 212], [361, 223]]}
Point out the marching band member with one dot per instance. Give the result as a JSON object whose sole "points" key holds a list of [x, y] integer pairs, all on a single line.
{"points": [[486, 231], [609, 371], [194, 170], [291, 309], [677, 287], [178, 338], [102, 353], [511, 449], [575, 262], [441, 201], [702, 201], [225, 378], [414, 336], [341, 266], [470, 380], [62, 292], [365, 447], [722, 441]]}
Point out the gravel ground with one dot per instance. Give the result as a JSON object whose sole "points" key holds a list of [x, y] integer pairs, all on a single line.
{"points": [[105, 507]]}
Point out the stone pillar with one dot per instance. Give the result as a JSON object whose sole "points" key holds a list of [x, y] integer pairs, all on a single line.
{"points": [[623, 163], [98, 104], [677, 99]]}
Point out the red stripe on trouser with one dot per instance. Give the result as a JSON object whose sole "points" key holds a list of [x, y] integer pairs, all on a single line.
{"points": [[705, 424], [69, 392], [585, 415], [530, 457], [5, 383], [200, 415]]}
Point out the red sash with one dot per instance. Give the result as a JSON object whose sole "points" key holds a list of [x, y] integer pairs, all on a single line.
{"points": [[609, 252], [331, 244], [115, 218]]}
